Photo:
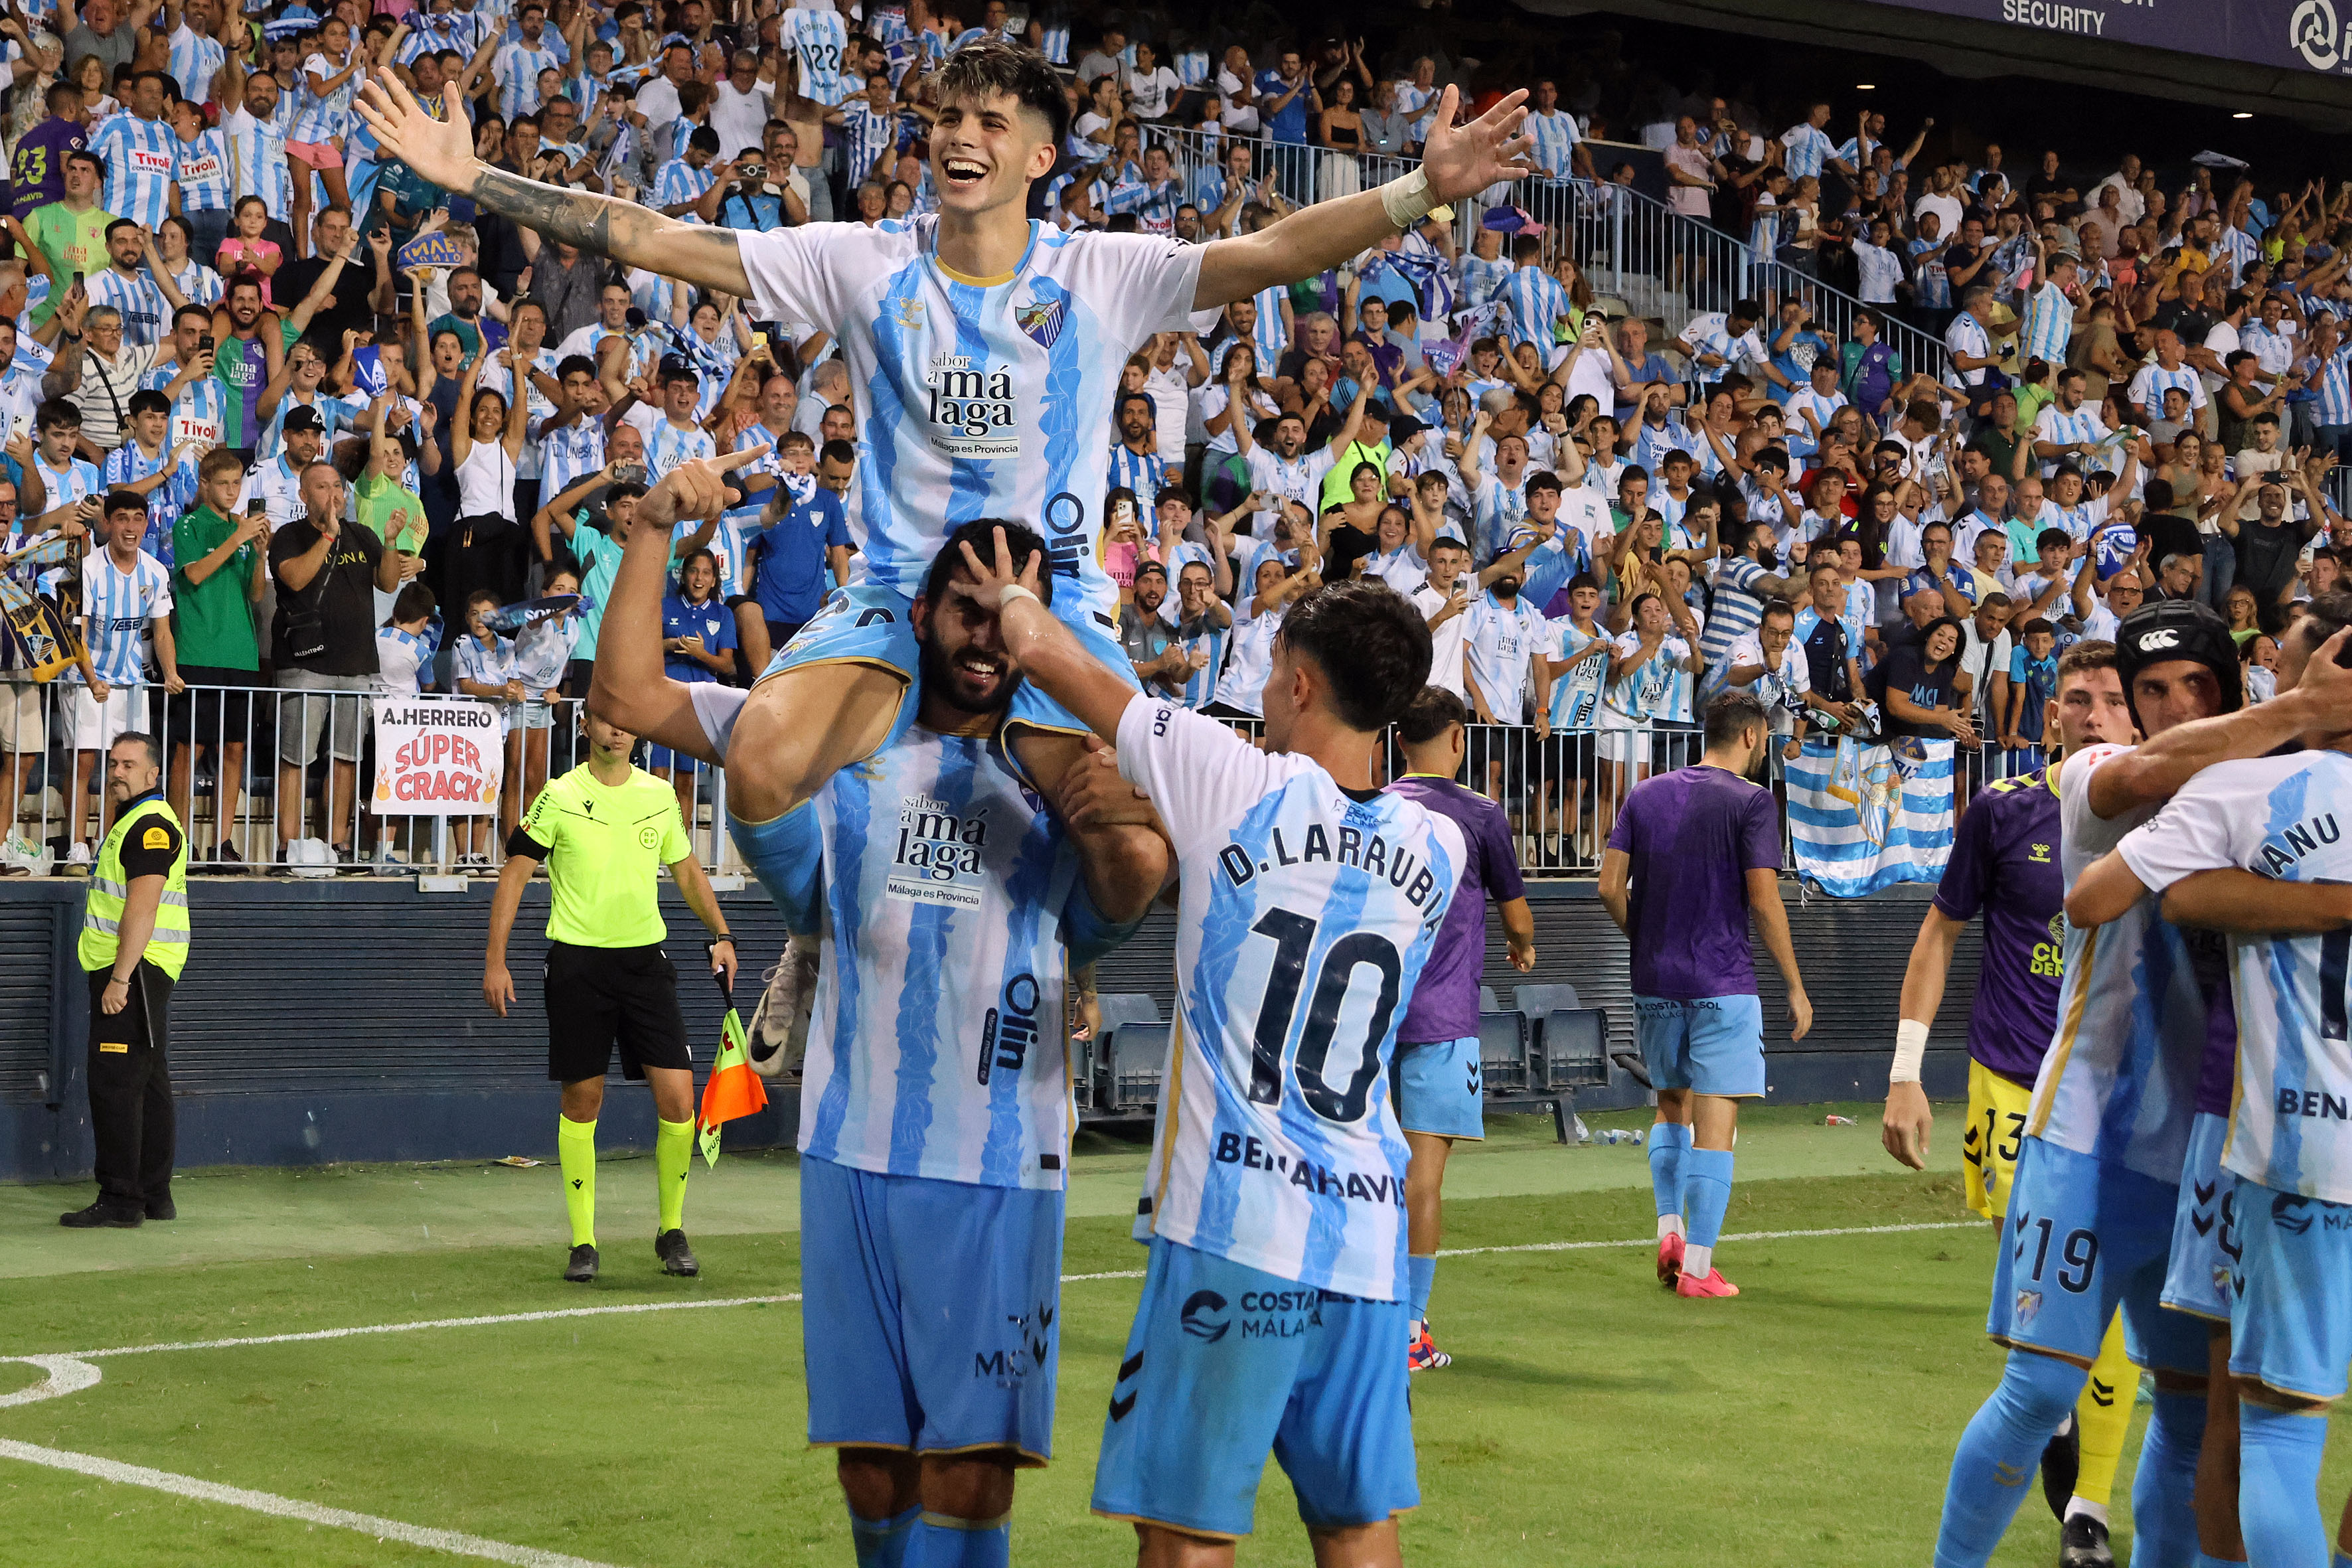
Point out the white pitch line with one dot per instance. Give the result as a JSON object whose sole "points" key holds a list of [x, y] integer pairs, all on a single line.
{"points": [[72, 1373], [450, 1540]]}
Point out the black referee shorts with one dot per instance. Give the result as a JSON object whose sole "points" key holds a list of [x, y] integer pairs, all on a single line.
{"points": [[598, 997]]}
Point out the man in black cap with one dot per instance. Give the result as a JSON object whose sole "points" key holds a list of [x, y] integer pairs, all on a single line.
{"points": [[278, 484]]}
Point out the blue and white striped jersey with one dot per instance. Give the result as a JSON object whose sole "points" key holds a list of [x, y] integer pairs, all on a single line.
{"points": [[1807, 149], [2054, 424], [2120, 1080], [459, 30], [1533, 300], [2282, 818], [669, 446], [1501, 640], [1555, 136], [1142, 472], [1482, 279], [978, 399], [867, 138], [1204, 635], [2148, 387], [257, 161], [568, 453], [402, 658], [318, 119], [1306, 914], [202, 172], [491, 663], [117, 607], [819, 40], [1271, 337], [195, 60], [937, 1046], [144, 309], [1576, 694], [126, 465], [2327, 377], [330, 410], [2049, 326], [516, 68], [679, 180], [140, 156], [77, 482], [200, 411], [1657, 691], [726, 547]]}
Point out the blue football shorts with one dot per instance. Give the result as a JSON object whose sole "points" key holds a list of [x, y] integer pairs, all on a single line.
{"points": [[1226, 1364], [930, 1312], [2204, 1225], [1712, 1045], [2291, 1319], [870, 625], [2083, 1237], [1438, 1088]]}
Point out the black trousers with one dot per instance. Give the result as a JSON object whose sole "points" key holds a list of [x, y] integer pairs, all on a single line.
{"points": [[130, 1118]]}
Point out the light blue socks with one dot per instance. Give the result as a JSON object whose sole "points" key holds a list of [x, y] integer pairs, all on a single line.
{"points": [[2000, 1454], [2278, 1487], [1706, 1187], [944, 1542], [882, 1543], [1419, 1274], [1670, 1141], [2164, 1487]]}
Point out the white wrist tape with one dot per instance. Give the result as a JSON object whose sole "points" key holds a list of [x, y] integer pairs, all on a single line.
{"points": [[1406, 199], [1910, 1048], [1005, 595]]}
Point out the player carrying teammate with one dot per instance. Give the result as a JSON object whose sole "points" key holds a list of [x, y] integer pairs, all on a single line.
{"points": [[2092, 1207], [1438, 1093], [602, 830], [932, 1188], [1310, 899], [985, 351], [2005, 863], [1696, 852], [2255, 847]]}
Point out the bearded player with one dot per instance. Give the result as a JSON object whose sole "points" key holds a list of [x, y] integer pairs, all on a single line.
{"points": [[985, 352]]}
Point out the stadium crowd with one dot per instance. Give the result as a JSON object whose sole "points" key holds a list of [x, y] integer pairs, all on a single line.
{"points": [[264, 433]]}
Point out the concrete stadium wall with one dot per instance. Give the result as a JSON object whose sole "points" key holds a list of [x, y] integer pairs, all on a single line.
{"points": [[342, 1020]]}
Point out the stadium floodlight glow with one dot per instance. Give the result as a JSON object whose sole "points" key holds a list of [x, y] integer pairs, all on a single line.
{"points": [[1865, 86], [2243, 114]]}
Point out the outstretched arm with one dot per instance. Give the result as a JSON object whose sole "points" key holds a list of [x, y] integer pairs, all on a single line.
{"points": [[1457, 161], [443, 153]]}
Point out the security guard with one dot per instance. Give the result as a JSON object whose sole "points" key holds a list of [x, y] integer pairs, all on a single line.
{"points": [[134, 943], [603, 829]]}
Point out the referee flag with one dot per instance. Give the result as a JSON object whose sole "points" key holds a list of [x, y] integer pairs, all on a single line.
{"points": [[734, 1090]]}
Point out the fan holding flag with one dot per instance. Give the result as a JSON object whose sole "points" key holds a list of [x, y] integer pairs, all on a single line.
{"points": [[604, 830]]}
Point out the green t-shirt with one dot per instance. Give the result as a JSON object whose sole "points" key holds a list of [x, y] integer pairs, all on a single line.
{"points": [[212, 621], [73, 242], [603, 845], [600, 562], [378, 498]]}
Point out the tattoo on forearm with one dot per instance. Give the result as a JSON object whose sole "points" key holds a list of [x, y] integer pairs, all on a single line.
{"points": [[574, 218], [604, 226]]}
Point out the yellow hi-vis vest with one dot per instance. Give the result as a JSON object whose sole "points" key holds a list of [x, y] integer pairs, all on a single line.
{"points": [[102, 921]]}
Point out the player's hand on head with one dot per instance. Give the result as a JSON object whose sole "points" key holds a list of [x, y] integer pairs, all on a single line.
{"points": [[993, 576]]}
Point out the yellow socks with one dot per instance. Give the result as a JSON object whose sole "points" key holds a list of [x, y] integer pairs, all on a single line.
{"points": [[673, 1157], [2104, 1415], [575, 1145]]}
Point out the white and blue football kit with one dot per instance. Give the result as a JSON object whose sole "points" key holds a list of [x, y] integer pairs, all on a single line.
{"points": [[936, 1112], [2290, 1135], [139, 156], [975, 398], [819, 40], [1272, 1318]]}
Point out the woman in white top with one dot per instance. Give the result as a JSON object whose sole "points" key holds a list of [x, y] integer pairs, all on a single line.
{"points": [[486, 438], [1237, 376], [1249, 658]]}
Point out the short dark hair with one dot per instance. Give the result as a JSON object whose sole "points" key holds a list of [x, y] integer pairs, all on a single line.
{"points": [[57, 414], [1730, 712], [987, 66], [125, 501], [1371, 645], [150, 401], [1432, 713], [1779, 608], [980, 534], [140, 738], [836, 452]]}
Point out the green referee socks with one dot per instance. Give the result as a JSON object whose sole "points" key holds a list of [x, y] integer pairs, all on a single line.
{"points": [[575, 1145], [673, 1157]]}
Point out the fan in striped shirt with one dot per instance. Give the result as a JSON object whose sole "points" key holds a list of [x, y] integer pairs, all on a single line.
{"points": [[679, 183], [126, 601], [196, 55], [869, 130], [123, 288], [322, 117], [1135, 459], [2050, 314], [138, 152], [519, 63], [151, 465]]}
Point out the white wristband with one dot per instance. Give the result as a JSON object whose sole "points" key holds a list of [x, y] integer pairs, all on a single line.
{"points": [[1910, 1048], [1012, 591], [1406, 199]]}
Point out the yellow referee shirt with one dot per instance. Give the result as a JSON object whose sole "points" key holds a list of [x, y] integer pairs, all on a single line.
{"points": [[604, 845]]}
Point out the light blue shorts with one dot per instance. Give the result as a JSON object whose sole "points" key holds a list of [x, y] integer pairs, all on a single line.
{"points": [[2291, 1322], [2082, 1238], [1712, 1045], [930, 1311], [1437, 1088], [1226, 1364], [870, 625], [2204, 1225]]}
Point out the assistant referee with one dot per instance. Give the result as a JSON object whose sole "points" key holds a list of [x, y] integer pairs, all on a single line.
{"points": [[134, 944], [602, 830]]}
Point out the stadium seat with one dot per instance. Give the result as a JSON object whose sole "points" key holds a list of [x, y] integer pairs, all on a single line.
{"points": [[1488, 1001], [1502, 1050], [1536, 1001], [1115, 1008], [1572, 1050], [1125, 1007], [1127, 1081]]}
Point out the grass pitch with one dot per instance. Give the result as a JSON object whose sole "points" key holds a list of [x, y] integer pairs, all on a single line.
{"points": [[1588, 1417]]}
